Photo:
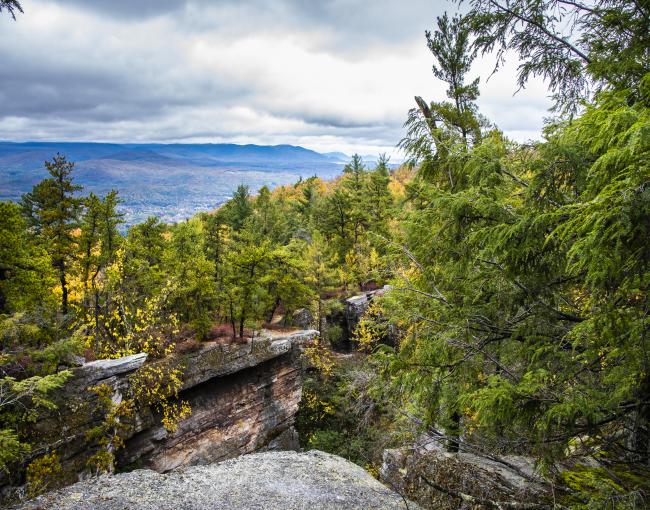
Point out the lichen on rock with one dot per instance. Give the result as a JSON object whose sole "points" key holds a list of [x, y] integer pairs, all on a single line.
{"points": [[282, 480]]}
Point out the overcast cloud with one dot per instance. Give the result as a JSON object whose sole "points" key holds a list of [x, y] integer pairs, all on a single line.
{"points": [[328, 75]]}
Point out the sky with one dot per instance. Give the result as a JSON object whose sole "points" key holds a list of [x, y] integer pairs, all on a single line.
{"points": [[330, 75]]}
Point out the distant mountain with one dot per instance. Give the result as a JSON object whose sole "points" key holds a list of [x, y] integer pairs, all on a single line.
{"points": [[337, 156], [204, 154], [370, 160], [172, 181]]}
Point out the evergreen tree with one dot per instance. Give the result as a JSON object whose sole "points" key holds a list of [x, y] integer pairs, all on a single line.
{"points": [[334, 220], [193, 291], [11, 6], [354, 185], [247, 262], [379, 200], [440, 133], [89, 256], [450, 46], [26, 275], [110, 219], [577, 47], [52, 210], [239, 208]]}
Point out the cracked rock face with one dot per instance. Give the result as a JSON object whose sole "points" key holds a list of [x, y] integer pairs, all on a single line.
{"points": [[272, 480], [443, 480], [244, 398]]}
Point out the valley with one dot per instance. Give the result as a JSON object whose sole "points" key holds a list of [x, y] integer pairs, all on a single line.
{"points": [[172, 182]]}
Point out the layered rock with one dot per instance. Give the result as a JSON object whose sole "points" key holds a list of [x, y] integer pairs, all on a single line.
{"points": [[243, 397], [442, 480], [286, 480]]}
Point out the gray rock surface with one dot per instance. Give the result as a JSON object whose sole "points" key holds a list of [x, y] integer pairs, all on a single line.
{"points": [[105, 368], [302, 318], [458, 475], [216, 360], [273, 480]]}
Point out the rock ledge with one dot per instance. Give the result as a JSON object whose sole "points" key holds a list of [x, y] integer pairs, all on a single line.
{"points": [[282, 480]]}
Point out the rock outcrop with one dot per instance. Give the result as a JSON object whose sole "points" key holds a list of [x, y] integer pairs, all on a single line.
{"points": [[243, 397], [442, 480], [282, 480], [355, 308], [303, 318]]}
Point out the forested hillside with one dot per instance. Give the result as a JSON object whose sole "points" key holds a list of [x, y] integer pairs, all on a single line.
{"points": [[515, 314]]}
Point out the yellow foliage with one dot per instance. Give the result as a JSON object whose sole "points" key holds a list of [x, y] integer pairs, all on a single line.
{"points": [[319, 357], [43, 474], [155, 385], [317, 407], [121, 329], [174, 413], [368, 331], [109, 434]]}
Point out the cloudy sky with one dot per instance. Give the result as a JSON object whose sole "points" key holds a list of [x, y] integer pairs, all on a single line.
{"points": [[328, 75]]}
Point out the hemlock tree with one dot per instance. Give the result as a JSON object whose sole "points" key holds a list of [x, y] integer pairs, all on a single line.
{"points": [[52, 211], [524, 284], [11, 6], [577, 47], [439, 131]]}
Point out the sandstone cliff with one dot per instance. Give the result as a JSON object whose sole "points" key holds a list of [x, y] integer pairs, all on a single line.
{"points": [[243, 396]]}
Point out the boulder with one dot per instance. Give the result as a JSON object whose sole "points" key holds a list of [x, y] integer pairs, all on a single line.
{"points": [[282, 480], [356, 307], [105, 368], [442, 480], [302, 318]]}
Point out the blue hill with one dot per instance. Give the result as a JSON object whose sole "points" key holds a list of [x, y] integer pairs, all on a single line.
{"points": [[172, 181]]}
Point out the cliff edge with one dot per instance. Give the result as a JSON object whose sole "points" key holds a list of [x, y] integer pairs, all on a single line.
{"points": [[282, 480]]}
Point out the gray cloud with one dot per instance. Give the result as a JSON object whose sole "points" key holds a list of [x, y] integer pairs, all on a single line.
{"points": [[128, 9], [331, 75]]}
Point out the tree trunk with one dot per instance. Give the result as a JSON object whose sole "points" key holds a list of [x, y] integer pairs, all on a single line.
{"points": [[454, 433], [232, 320], [64, 288], [242, 320], [274, 307]]}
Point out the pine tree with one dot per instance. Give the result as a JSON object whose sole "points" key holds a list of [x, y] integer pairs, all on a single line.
{"points": [[440, 133], [379, 200], [239, 208], [26, 276], [52, 211]]}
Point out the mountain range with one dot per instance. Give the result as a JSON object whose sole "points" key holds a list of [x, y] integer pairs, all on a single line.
{"points": [[171, 181]]}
